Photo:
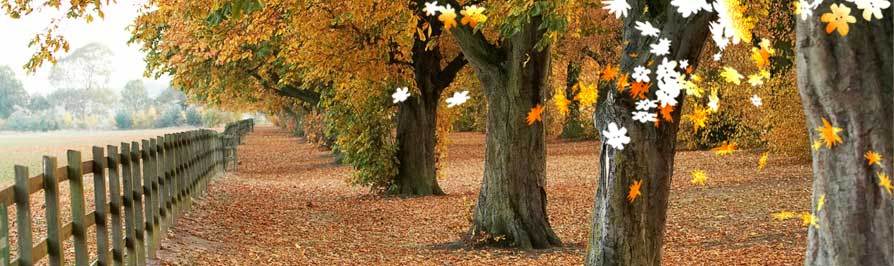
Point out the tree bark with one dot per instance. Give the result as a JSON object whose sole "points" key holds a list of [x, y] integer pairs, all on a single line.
{"points": [[416, 140], [572, 128], [417, 116], [625, 233], [849, 81], [511, 208]]}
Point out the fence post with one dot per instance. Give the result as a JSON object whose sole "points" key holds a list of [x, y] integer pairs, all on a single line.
{"points": [[54, 226], [137, 191], [184, 149], [99, 196], [23, 215], [153, 190], [236, 154], [172, 185], [194, 166], [162, 183], [175, 158], [187, 170], [222, 152], [206, 163], [127, 190], [184, 171], [4, 235], [79, 225], [146, 190], [115, 205], [169, 177]]}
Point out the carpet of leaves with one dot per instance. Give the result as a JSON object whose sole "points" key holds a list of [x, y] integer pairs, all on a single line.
{"points": [[288, 204]]}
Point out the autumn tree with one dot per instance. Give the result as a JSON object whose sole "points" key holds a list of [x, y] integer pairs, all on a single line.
{"points": [[591, 42], [514, 70], [634, 182], [405, 52], [288, 48], [417, 117], [239, 65], [844, 65]]}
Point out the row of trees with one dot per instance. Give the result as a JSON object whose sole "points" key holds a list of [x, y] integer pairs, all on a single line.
{"points": [[83, 100], [350, 55], [339, 60]]}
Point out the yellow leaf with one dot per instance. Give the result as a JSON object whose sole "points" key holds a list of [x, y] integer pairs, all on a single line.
{"points": [[817, 144], [472, 15], [638, 90], [873, 157], [693, 89], [784, 215], [535, 114], [699, 178], [666, 113], [760, 57], [838, 19], [885, 182], [767, 45], [809, 219], [634, 191], [755, 80], [699, 118], [587, 95], [622, 83], [821, 202], [609, 73], [762, 162], [725, 149], [731, 75], [829, 134], [448, 17], [561, 102]]}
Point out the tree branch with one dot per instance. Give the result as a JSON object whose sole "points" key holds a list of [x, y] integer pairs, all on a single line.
{"points": [[448, 74], [477, 50], [302, 94]]}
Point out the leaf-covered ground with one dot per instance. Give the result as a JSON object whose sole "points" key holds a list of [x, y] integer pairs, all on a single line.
{"points": [[288, 204]]}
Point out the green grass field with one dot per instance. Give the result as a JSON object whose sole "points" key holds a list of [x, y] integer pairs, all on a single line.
{"points": [[28, 148]]}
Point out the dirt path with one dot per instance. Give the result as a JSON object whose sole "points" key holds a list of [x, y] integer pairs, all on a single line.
{"points": [[289, 205]]}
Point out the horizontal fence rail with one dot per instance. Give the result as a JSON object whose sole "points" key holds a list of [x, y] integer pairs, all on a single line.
{"points": [[153, 181]]}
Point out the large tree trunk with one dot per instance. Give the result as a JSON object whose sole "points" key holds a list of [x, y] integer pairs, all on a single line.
{"points": [[625, 233], [511, 208], [849, 81], [417, 117], [416, 146], [572, 128]]}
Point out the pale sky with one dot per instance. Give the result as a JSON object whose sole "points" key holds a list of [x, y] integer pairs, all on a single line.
{"points": [[127, 64]]}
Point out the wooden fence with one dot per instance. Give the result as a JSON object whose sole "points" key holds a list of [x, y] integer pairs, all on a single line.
{"points": [[152, 181]]}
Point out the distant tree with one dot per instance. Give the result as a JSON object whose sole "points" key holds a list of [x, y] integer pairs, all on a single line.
{"points": [[172, 117], [134, 96], [38, 103], [11, 92], [83, 102], [24, 120], [193, 117], [88, 67], [170, 96], [123, 120]]}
